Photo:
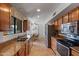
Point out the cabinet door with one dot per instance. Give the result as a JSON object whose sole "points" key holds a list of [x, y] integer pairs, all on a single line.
{"points": [[59, 22], [74, 53], [4, 17], [27, 48], [53, 43], [74, 15], [65, 18], [22, 51], [70, 16]]}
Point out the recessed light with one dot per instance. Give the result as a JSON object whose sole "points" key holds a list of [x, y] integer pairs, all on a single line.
{"points": [[38, 10], [38, 16]]}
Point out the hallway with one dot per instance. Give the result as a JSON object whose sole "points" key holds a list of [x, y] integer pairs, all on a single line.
{"points": [[39, 49]]}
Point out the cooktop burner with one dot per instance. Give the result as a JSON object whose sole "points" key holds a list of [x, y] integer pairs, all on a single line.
{"points": [[69, 43]]}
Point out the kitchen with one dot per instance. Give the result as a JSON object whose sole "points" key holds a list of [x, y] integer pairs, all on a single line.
{"points": [[18, 33]]}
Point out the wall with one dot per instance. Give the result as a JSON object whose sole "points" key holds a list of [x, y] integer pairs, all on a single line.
{"points": [[41, 31]]}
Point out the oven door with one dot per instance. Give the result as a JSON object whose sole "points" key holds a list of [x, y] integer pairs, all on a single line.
{"points": [[62, 49]]}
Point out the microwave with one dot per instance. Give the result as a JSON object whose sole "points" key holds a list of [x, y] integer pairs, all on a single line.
{"points": [[75, 27], [70, 28]]}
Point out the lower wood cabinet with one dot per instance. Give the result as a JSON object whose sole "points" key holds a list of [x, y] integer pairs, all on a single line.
{"points": [[22, 51], [74, 53], [53, 43], [25, 49]]}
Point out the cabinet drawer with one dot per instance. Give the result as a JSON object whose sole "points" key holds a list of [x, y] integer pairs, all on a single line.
{"points": [[74, 53]]}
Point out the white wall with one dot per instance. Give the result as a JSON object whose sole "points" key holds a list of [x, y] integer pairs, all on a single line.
{"points": [[42, 31]]}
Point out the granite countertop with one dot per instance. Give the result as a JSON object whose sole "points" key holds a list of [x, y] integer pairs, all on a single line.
{"points": [[75, 48], [11, 48]]}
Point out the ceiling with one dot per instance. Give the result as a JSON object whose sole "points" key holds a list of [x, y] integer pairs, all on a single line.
{"points": [[30, 10]]}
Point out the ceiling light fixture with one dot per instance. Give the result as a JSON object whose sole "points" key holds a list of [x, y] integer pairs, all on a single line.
{"points": [[38, 10]]}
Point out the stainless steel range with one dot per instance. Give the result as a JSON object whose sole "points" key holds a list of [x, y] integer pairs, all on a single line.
{"points": [[63, 46]]}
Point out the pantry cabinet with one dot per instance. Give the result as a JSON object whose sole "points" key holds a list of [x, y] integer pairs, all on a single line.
{"points": [[5, 16]]}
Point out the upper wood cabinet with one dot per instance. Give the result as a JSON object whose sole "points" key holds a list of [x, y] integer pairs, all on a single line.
{"points": [[74, 15], [70, 16], [5, 16], [59, 22], [65, 18]]}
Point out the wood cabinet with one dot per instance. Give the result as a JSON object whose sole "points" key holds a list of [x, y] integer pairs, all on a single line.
{"points": [[25, 49], [59, 22], [65, 18], [74, 15], [53, 43], [5, 16], [56, 24], [70, 16], [25, 25], [22, 51], [74, 53]]}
